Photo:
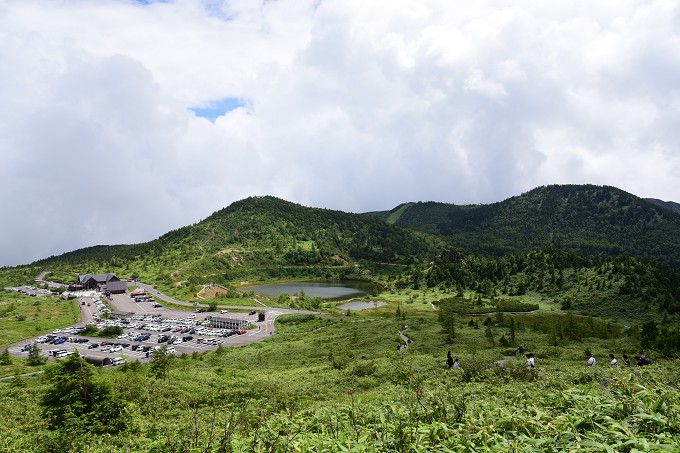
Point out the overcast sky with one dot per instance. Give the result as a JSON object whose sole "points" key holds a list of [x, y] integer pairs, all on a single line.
{"points": [[122, 119]]}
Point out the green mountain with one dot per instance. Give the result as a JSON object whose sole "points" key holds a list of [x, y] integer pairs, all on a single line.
{"points": [[670, 205], [588, 220], [255, 238]]}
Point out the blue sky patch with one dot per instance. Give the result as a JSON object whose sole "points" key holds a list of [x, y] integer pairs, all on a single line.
{"points": [[217, 108]]}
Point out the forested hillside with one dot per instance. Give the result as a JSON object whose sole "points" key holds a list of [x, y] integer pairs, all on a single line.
{"points": [[622, 288], [588, 220], [259, 237]]}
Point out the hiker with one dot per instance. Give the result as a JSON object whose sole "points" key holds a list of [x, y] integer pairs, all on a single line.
{"points": [[456, 363], [520, 350], [642, 360], [398, 347], [614, 362], [626, 360], [591, 360], [449, 360], [531, 360]]}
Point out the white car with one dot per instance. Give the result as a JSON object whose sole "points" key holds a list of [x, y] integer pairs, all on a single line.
{"points": [[117, 361], [170, 351], [116, 348]]}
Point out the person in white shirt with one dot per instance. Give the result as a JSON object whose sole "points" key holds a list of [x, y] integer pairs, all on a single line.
{"points": [[614, 362], [530, 360], [591, 360]]}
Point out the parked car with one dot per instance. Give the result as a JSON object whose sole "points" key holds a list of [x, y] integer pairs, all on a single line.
{"points": [[117, 361]]}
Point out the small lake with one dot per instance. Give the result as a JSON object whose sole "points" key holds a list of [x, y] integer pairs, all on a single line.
{"points": [[358, 306], [324, 290]]}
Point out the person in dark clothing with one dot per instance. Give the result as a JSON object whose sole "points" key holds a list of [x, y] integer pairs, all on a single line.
{"points": [[626, 360], [642, 360], [520, 350], [449, 360]]}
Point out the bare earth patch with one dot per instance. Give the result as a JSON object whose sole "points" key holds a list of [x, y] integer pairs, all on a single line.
{"points": [[211, 292]]}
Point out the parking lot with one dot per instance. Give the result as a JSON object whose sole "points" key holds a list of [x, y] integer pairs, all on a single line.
{"points": [[30, 290], [146, 327]]}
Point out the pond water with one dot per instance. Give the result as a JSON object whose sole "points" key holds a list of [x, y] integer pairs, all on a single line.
{"points": [[358, 306], [325, 290]]}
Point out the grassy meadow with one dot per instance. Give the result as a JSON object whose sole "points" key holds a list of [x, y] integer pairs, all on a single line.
{"points": [[337, 383], [23, 317]]}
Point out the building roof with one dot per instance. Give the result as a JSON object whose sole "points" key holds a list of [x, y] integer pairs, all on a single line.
{"points": [[99, 278], [97, 361], [218, 318], [116, 286]]}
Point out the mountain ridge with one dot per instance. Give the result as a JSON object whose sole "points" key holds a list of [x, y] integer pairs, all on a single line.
{"points": [[587, 219], [268, 232]]}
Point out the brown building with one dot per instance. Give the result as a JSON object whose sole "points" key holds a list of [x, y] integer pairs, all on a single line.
{"points": [[94, 281]]}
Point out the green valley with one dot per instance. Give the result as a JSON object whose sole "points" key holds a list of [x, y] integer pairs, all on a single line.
{"points": [[559, 271]]}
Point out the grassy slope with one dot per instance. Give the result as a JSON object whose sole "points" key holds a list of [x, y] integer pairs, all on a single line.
{"points": [[308, 388], [397, 213], [23, 317], [260, 238]]}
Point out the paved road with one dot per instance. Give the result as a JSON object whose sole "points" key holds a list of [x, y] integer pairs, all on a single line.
{"points": [[261, 307]]}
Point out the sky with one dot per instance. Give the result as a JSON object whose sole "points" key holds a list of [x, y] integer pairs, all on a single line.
{"points": [[121, 120]]}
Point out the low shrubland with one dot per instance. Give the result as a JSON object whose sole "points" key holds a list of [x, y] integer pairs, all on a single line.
{"points": [[336, 383]]}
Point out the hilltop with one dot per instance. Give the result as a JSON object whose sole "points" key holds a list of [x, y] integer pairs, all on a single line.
{"points": [[592, 221], [260, 238]]}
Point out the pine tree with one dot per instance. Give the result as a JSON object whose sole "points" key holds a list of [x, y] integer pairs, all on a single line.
{"points": [[5, 359], [34, 356]]}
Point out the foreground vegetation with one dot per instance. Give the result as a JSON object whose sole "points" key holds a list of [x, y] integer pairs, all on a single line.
{"points": [[336, 383]]}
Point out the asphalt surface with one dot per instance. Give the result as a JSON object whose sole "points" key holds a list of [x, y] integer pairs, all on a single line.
{"points": [[122, 304]]}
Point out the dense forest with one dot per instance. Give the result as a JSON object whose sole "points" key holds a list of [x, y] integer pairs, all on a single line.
{"points": [[592, 221]]}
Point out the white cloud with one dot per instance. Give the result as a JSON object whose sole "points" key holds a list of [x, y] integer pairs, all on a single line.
{"points": [[350, 105]]}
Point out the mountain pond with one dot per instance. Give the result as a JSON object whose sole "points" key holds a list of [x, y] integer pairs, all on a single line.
{"points": [[324, 290]]}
